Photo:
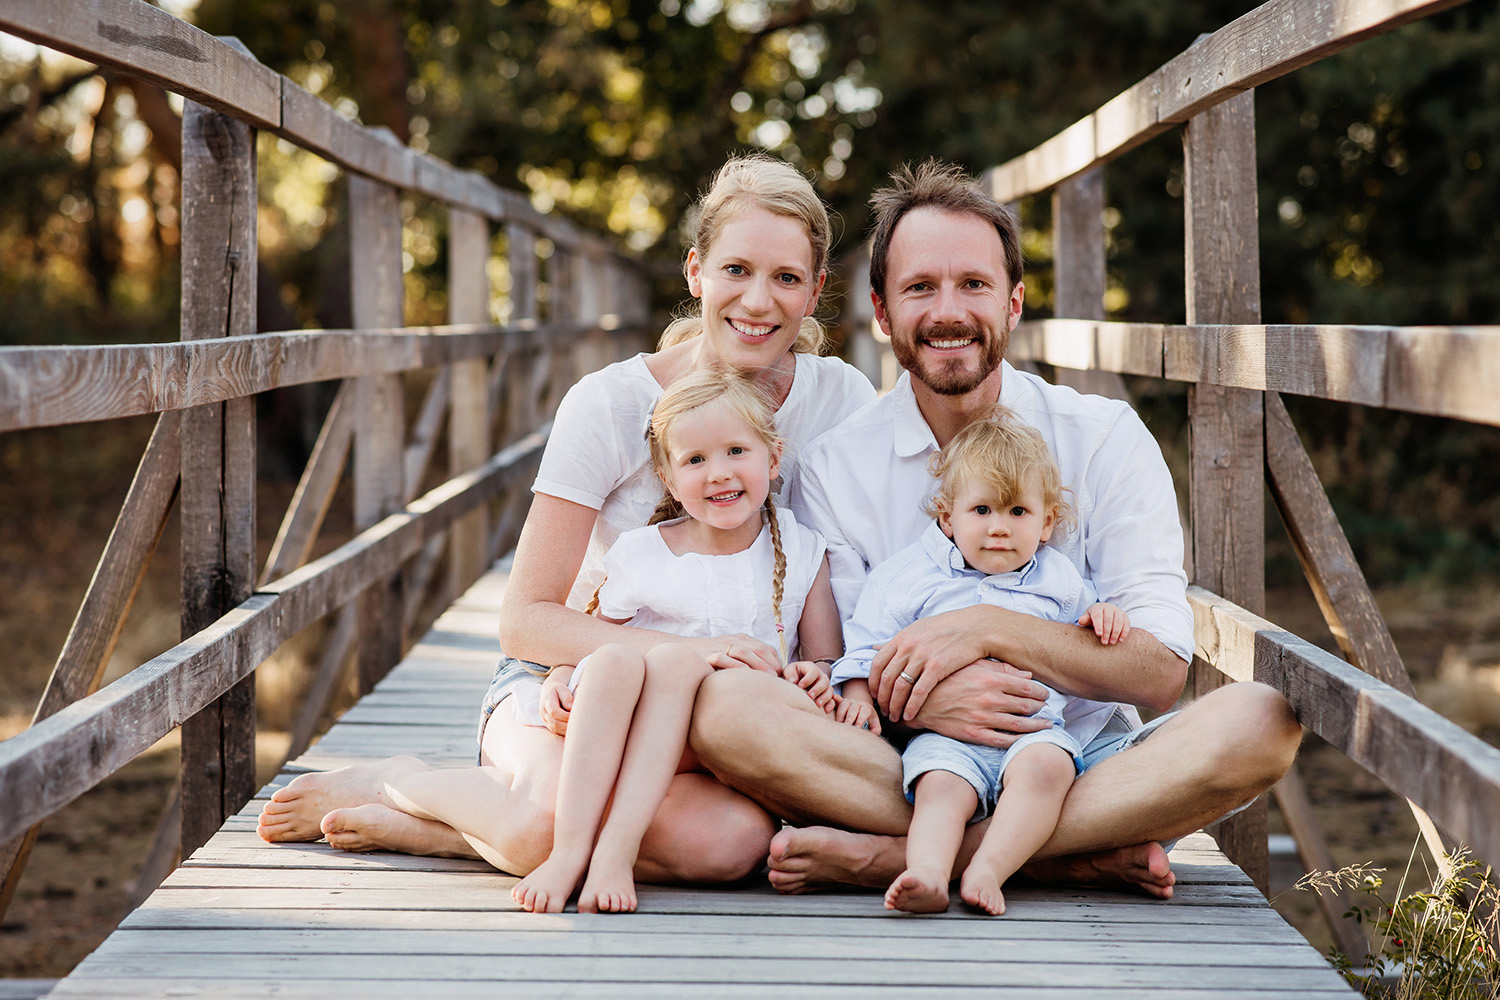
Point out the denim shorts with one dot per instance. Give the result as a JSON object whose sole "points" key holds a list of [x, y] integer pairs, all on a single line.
{"points": [[511, 677]]}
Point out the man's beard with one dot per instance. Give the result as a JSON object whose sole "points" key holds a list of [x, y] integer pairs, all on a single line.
{"points": [[952, 377]]}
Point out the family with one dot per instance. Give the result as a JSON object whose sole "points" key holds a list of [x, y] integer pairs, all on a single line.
{"points": [[745, 582]]}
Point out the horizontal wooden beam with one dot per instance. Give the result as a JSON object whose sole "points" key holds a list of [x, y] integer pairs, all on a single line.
{"points": [[1270, 41], [1449, 772], [146, 42], [49, 765], [139, 40], [45, 386], [1441, 371]]}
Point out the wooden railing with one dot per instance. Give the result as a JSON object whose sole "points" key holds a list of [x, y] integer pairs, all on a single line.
{"points": [[1241, 436], [494, 387]]}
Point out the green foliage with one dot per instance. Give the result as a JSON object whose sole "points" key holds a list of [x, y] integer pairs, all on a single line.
{"points": [[1437, 945]]}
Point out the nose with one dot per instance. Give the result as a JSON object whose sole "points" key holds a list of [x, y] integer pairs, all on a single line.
{"points": [[757, 296], [718, 470], [999, 525], [946, 309]]}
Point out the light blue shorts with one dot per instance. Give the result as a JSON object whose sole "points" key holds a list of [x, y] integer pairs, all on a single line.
{"points": [[513, 677], [984, 767]]}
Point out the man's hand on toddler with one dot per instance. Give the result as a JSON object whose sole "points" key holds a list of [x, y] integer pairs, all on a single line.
{"points": [[1111, 624], [810, 677]]}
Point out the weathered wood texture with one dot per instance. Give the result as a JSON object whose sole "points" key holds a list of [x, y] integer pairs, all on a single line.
{"points": [[246, 918], [44, 386], [1226, 440], [1268, 42], [106, 604], [1452, 774], [218, 454], [310, 503], [469, 419], [376, 287], [100, 734], [1078, 280]]}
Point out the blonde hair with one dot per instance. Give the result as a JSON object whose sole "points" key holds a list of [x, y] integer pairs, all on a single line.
{"points": [[1005, 453], [758, 181], [748, 402]]}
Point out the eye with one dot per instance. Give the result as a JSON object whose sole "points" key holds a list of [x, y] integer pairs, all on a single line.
{"points": [[734, 269], [1018, 511], [983, 509], [919, 286], [974, 283], [787, 278], [693, 460], [735, 449]]}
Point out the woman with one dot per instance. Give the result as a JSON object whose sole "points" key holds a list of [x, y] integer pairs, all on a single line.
{"points": [[757, 266]]}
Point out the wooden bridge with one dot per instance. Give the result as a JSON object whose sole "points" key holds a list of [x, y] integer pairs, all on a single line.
{"points": [[241, 918]]}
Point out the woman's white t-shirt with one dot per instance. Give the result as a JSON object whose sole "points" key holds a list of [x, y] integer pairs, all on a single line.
{"points": [[597, 455]]}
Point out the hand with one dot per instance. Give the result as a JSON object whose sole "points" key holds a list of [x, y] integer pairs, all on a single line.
{"points": [[557, 700], [859, 714], [1111, 624], [987, 703], [810, 677], [906, 669], [724, 652]]}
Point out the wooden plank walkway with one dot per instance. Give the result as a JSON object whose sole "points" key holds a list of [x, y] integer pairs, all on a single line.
{"points": [[245, 919]]}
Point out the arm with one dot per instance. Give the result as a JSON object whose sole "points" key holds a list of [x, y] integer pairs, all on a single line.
{"points": [[535, 622], [1138, 669]]}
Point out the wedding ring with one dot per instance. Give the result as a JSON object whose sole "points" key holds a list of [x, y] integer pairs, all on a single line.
{"points": [[908, 678]]}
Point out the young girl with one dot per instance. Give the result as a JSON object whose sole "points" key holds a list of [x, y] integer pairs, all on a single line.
{"points": [[1000, 499], [718, 558]]}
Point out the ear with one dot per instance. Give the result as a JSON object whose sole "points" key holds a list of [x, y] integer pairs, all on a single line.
{"points": [[666, 482], [945, 522], [1017, 296], [1048, 523], [812, 303], [880, 314], [775, 469], [693, 269]]}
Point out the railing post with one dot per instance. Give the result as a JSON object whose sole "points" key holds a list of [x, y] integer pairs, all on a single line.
{"points": [[469, 399], [1226, 426], [375, 281], [218, 455], [1078, 269]]}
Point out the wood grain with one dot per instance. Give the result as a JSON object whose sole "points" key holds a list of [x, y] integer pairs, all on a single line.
{"points": [[469, 418], [143, 41], [1268, 42], [1452, 774]]}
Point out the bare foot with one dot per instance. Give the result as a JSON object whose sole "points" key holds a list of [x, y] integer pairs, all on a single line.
{"points": [[816, 857], [918, 892], [296, 812], [1140, 866], [375, 827], [980, 887], [610, 887], [547, 888]]}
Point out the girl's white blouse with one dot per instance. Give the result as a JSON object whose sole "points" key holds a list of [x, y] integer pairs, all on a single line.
{"points": [[695, 595]]}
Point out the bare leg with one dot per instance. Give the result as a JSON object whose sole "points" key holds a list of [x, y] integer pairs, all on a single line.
{"points": [[374, 827], [597, 736], [1218, 753], [944, 804], [765, 738], [296, 811], [1036, 780], [658, 734]]}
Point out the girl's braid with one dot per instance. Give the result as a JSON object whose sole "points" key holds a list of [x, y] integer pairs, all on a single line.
{"points": [[778, 573]]}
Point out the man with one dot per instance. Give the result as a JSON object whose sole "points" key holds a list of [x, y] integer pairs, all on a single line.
{"points": [[945, 274]]}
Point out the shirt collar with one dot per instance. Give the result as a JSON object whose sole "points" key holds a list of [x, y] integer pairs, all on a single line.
{"points": [[913, 436], [944, 553]]}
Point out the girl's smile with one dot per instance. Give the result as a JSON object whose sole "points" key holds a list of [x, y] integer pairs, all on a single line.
{"points": [[720, 471]]}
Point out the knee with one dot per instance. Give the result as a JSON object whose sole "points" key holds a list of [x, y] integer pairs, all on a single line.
{"points": [[735, 847], [1259, 735], [719, 716], [674, 662]]}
